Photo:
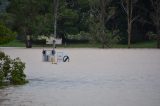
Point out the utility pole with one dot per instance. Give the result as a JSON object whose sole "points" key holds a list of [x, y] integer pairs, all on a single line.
{"points": [[55, 4]]}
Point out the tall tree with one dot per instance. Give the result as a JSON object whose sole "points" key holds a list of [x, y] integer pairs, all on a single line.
{"points": [[101, 13], [68, 19], [128, 6], [31, 17], [155, 16]]}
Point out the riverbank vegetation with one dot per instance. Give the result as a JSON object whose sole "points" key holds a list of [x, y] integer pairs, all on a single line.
{"points": [[104, 22], [144, 44], [11, 71], [6, 35]]}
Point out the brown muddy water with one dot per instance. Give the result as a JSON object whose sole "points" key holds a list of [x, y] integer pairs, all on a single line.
{"points": [[93, 77]]}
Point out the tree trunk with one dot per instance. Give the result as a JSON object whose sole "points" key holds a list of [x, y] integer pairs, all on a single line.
{"points": [[129, 35], [103, 45], [158, 35], [158, 39], [129, 16], [102, 20], [158, 43]]}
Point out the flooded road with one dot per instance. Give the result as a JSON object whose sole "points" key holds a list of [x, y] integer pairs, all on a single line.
{"points": [[93, 77]]}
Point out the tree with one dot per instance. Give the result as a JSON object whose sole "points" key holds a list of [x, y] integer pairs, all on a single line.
{"points": [[128, 6], [83, 12], [69, 19], [3, 6], [6, 34], [24, 12], [101, 13], [31, 17], [44, 17], [155, 16]]}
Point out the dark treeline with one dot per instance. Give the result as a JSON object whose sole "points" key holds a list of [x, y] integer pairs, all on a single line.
{"points": [[104, 21]]}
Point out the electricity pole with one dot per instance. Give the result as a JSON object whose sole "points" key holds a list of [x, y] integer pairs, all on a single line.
{"points": [[55, 21]]}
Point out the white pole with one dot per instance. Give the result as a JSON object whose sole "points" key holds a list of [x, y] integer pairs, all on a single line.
{"points": [[55, 21]]}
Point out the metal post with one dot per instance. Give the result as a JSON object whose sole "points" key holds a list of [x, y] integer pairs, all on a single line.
{"points": [[55, 21]]}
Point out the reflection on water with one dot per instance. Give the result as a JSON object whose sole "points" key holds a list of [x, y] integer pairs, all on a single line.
{"points": [[102, 81]]}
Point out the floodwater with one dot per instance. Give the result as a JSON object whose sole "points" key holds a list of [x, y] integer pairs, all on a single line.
{"points": [[93, 77]]}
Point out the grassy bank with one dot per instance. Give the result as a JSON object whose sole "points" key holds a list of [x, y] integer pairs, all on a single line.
{"points": [[146, 44], [14, 43]]}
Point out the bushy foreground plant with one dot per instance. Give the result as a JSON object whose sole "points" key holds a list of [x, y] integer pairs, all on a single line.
{"points": [[11, 70]]}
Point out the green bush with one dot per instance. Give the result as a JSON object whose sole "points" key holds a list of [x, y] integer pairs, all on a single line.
{"points": [[6, 35], [81, 36], [11, 70]]}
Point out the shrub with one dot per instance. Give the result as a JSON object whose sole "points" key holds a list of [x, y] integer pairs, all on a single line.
{"points": [[81, 36], [11, 70]]}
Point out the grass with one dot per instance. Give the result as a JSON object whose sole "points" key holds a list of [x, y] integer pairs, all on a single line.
{"points": [[146, 44], [85, 45], [14, 43]]}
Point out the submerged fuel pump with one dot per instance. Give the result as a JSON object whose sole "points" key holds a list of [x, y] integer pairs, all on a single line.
{"points": [[54, 57]]}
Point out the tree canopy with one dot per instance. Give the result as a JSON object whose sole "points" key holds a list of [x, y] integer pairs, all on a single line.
{"points": [[36, 17]]}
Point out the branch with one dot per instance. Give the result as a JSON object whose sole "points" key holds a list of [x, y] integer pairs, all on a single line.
{"points": [[131, 14], [134, 19], [122, 4], [153, 4], [145, 21]]}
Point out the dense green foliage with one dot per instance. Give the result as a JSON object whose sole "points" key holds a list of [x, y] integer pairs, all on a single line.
{"points": [[11, 70], [36, 17], [6, 35], [102, 12]]}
